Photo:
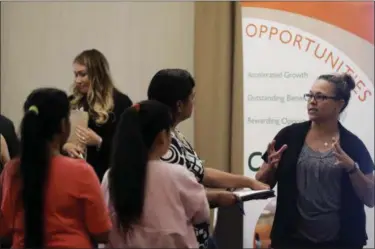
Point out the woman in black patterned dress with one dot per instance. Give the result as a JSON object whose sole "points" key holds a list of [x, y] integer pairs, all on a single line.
{"points": [[175, 88]]}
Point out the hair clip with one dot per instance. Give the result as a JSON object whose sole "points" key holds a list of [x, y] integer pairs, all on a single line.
{"points": [[34, 109], [137, 106]]}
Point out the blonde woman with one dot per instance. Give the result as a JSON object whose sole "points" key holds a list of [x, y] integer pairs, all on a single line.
{"points": [[4, 153], [94, 92]]}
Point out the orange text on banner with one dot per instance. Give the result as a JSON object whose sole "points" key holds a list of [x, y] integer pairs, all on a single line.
{"points": [[308, 45]]}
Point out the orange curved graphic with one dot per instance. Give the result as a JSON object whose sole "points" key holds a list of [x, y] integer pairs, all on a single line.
{"points": [[354, 17]]}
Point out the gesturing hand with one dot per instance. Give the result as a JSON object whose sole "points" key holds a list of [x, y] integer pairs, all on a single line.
{"points": [[273, 155], [342, 158]]}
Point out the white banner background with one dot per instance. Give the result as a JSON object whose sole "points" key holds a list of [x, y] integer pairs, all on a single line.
{"points": [[276, 75]]}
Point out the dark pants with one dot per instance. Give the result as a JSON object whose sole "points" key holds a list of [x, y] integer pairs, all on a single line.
{"points": [[306, 244], [5, 243], [212, 243]]}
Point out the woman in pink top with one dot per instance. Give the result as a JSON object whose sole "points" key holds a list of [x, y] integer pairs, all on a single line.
{"points": [[153, 204]]}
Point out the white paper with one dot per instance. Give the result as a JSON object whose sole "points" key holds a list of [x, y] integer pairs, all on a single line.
{"points": [[77, 118], [248, 192]]}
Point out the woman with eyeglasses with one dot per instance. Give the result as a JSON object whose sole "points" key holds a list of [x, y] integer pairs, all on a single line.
{"points": [[324, 174]]}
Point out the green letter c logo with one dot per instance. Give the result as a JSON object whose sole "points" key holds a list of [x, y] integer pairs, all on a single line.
{"points": [[251, 166]]}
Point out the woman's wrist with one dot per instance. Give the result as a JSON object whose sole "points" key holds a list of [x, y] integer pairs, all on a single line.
{"points": [[212, 196], [270, 167], [99, 145], [352, 169]]}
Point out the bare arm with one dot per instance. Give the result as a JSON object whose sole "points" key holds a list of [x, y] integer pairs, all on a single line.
{"points": [[220, 198], [4, 151], [267, 172], [364, 187], [213, 195], [220, 179]]}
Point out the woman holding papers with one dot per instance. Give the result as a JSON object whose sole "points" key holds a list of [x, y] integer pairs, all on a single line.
{"points": [[324, 174], [48, 200], [153, 204], [94, 92], [175, 88]]}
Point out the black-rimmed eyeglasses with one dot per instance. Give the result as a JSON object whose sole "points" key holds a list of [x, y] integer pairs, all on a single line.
{"points": [[318, 97]]}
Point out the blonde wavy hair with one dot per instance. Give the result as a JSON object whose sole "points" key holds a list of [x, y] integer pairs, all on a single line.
{"points": [[100, 93]]}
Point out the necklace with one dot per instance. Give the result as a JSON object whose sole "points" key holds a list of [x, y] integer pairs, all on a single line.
{"points": [[333, 141]]}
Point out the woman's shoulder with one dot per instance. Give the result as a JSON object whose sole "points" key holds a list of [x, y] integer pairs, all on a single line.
{"points": [[182, 176], [351, 141], [178, 137], [73, 168], [294, 129], [71, 164], [5, 121], [173, 170], [348, 135], [121, 98], [305, 125]]}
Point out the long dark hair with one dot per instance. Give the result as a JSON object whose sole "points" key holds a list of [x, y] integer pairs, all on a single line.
{"points": [[44, 110], [135, 135], [170, 86]]}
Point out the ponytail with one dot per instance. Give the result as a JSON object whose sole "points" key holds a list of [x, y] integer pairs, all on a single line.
{"points": [[33, 168], [46, 112], [127, 175]]}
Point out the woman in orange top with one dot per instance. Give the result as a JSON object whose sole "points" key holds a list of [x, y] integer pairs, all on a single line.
{"points": [[48, 200], [4, 152]]}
